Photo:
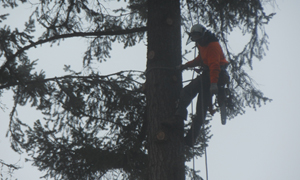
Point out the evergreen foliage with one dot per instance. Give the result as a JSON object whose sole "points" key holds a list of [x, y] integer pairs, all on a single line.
{"points": [[94, 125]]}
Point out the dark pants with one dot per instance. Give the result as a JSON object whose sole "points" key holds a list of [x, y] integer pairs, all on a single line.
{"points": [[200, 86]]}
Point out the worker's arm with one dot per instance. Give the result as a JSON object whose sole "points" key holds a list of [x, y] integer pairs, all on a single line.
{"points": [[193, 63]]}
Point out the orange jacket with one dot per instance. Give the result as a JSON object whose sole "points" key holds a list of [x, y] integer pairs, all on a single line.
{"points": [[212, 56]]}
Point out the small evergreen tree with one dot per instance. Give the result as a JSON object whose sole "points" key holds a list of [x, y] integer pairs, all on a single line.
{"points": [[98, 126]]}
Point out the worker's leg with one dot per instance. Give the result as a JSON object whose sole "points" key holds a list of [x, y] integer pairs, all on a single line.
{"points": [[186, 96], [201, 109]]}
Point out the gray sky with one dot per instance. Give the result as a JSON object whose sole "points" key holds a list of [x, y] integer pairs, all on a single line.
{"points": [[260, 145]]}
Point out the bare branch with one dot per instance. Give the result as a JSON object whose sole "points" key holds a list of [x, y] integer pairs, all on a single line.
{"points": [[76, 34], [9, 165], [63, 77]]}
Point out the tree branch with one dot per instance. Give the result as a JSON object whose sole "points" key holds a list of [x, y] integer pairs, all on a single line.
{"points": [[9, 165], [76, 34], [63, 77]]}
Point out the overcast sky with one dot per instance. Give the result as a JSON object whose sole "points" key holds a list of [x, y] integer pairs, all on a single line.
{"points": [[260, 145]]}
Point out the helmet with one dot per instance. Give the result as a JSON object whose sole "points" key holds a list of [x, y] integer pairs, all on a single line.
{"points": [[197, 32], [198, 28]]}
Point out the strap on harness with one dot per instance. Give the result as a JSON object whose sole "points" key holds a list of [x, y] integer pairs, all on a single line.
{"points": [[221, 97]]}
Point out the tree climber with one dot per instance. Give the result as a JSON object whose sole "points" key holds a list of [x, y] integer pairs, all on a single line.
{"points": [[213, 64]]}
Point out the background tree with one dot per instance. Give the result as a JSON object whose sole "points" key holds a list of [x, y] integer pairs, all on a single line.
{"points": [[94, 124]]}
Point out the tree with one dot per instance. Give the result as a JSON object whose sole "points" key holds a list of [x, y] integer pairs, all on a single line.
{"points": [[99, 125]]}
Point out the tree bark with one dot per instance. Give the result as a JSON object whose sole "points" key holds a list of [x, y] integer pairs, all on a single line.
{"points": [[163, 85]]}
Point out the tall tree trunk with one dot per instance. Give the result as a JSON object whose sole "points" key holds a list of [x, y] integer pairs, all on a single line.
{"points": [[163, 84]]}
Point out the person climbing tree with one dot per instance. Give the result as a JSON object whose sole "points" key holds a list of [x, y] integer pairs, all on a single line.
{"points": [[212, 63]]}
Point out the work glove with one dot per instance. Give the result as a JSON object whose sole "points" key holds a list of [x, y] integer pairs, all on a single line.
{"points": [[181, 67], [213, 88]]}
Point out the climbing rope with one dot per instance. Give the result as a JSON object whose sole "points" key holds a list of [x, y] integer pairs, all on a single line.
{"points": [[192, 111], [203, 126]]}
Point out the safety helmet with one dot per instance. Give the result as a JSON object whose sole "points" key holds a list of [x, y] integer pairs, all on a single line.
{"points": [[197, 32], [198, 28]]}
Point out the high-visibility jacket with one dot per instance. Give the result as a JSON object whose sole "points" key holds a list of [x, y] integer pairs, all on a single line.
{"points": [[212, 56]]}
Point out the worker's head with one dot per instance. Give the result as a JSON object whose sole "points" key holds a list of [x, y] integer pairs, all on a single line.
{"points": [[197, 32]]}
